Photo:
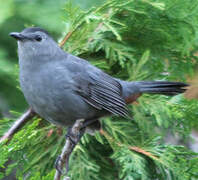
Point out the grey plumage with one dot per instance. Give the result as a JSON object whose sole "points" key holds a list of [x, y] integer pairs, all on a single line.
{"points": [[61, 87]]}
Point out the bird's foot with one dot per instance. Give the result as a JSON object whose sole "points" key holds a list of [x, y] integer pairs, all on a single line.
{"points": [[57, 166], [73, 138]]}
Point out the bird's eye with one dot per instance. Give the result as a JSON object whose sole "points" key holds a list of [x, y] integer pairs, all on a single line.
{"points": [[38, 38]]}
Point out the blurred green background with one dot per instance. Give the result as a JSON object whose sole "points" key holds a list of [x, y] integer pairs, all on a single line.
{"points": [[159, 42], [15, 15]]}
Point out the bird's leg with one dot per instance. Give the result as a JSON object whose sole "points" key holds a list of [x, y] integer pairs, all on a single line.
{"points": [[73, 136], [91, 126], [89, 122]]}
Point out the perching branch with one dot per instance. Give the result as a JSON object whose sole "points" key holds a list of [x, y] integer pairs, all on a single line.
{"points": [[73, 137], [19, 123]]}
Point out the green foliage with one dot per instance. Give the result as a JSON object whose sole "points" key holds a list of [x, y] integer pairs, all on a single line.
{"points": [[132, 40]]}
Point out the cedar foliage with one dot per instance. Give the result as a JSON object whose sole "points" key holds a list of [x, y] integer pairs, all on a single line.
{"points": [[131, 40]]}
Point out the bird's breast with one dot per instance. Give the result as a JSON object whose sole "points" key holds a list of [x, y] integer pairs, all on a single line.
{"points": [[50, 93]]}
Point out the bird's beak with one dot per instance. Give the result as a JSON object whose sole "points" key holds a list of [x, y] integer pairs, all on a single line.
{"points": [[17, 36]]}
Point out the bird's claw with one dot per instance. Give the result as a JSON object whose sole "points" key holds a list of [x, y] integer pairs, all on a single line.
{"points": [[70, 136], [57, 165]]}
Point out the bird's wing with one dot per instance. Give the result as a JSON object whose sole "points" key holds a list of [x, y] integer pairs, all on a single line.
{"points": [[101, 91]]}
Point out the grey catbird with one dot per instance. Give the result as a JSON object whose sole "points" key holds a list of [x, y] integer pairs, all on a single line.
{"points": [[62, 88]]}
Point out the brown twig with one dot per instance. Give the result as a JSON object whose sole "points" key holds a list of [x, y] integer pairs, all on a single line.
{"points": [[67, 36], [100, 25], [133, 148], [142, 151], [76, 133], [18, 124]]}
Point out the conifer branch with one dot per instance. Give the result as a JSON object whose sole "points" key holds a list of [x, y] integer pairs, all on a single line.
{"points": [[133, 148], [29, 114], [76, 133], [100, 25]]}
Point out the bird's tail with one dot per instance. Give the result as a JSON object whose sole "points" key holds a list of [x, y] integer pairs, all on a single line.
{"points": [[161, 87]]}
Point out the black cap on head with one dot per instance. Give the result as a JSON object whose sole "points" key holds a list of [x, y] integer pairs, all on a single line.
{"points": [[34, 29], [28, 33]]}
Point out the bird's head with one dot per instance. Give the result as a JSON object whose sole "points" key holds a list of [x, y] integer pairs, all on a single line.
{"points": [[34, 41]]}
